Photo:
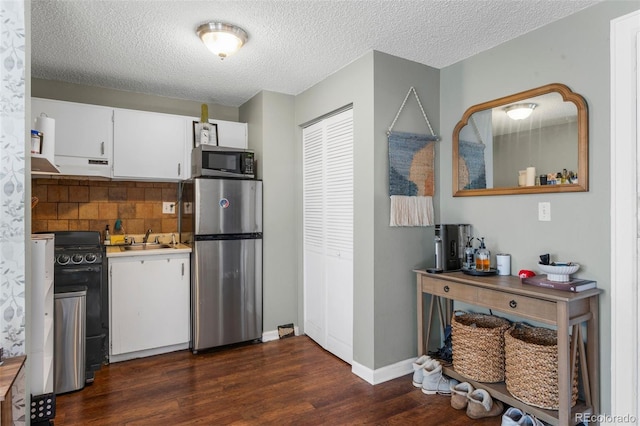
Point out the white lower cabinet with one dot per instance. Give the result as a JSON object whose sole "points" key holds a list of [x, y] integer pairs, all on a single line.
{"points": [[149, 305]]}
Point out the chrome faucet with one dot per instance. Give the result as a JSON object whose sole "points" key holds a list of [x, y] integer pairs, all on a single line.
{"points": [[146, 236]]}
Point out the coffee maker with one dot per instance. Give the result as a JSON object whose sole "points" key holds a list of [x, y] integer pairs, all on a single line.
{"points": [[450, 241]]}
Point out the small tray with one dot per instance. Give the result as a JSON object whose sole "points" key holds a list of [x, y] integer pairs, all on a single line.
{"points": [[475, 272]]}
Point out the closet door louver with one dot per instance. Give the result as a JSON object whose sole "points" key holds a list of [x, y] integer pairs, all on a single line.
{"points": [[328, 233]]}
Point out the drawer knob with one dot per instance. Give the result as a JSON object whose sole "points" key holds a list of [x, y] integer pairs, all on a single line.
{"points": [[513, 304], [446, 289]]}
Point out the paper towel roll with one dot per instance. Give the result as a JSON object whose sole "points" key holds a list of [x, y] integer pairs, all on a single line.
{"points": [[531, 176], [503, 263], [47, 126]]}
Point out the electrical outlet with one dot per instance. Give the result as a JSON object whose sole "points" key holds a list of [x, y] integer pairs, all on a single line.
{"points": [[168, 208], [187, 207], [544, 211]]}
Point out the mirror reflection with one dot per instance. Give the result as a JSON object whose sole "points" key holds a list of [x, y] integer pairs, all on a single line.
{"points": [[534, 141]]}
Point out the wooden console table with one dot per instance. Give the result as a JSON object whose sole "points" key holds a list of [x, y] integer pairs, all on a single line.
{"points": [[9, 371], [565, 310]]}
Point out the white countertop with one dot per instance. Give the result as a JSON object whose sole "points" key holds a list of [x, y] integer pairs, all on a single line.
{"points": [[119, 251]]}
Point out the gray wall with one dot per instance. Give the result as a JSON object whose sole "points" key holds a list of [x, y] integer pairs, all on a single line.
{"points": [[272, 137], [384, 330], [399, 250], [573, 51], [353, 84]]}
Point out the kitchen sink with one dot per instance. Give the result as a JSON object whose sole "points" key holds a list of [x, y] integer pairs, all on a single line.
{"points": [[147, 246]]}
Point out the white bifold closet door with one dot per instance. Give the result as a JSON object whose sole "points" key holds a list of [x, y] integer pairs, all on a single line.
{"points": [[328, 233]]}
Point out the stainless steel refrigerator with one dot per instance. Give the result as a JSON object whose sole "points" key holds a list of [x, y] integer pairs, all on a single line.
{"points": [[226, 275]]}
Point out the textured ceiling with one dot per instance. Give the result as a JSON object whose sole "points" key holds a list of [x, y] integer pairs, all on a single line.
{"points": [[151, 46]]}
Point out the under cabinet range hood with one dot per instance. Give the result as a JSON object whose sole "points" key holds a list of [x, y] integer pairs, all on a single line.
{"points": [[42, 165], [43, 142]]}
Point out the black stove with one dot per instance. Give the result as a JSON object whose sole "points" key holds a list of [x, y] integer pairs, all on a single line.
{"points": [[80, 261], [78, 248]]}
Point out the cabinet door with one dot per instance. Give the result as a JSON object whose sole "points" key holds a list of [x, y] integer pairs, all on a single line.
{"points": [[41, 314], [232, 134], [149, 303], [83, 135], [148, 145]]}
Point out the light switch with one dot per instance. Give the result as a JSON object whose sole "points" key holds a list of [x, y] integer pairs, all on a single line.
{"points": [[544, 211]]}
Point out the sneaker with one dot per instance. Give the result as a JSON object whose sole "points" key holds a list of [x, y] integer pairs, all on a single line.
{"points": [[512, 417], [515, 417], [418, 365], [434, 382]]}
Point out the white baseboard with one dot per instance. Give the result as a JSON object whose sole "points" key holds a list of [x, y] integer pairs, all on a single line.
{"points": [[148, 352], [384, 374], [381, 375], [270, 335]]}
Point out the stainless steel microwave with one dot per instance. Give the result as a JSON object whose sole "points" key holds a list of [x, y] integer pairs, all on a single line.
{"points": [[209, 160]]}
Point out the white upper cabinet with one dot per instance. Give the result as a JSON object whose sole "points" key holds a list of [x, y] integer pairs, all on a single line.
{"points": [[93, 140], [230, 134], [83, 135], [149, 145]]}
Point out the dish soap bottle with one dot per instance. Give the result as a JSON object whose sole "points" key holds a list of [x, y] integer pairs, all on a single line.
{"points": [[107, 236], [469, 255], [204, 125], [483, 258]]}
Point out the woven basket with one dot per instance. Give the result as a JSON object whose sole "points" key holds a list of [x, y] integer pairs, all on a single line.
{"points": [[478, 346], [531, 366]]}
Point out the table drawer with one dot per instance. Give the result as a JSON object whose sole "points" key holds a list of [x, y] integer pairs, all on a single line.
{"points": [[527, 307], [450, 290]]}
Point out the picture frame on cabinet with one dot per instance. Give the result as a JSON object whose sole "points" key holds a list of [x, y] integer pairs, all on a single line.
{"points": [[213, 134]]}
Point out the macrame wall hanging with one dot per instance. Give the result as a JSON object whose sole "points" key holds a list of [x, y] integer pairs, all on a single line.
{"points": [[411, 173]]}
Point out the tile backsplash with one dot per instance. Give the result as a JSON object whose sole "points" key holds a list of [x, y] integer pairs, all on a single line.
{"points": [[89, 205]]}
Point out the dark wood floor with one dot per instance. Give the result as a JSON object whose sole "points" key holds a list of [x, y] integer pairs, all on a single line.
{"points": [[289, 381]]}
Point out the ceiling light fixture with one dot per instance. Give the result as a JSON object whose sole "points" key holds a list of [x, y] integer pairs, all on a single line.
{"points": [[222, 39], [520, 111]]}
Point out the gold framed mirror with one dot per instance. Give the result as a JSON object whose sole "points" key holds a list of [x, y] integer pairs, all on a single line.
{"points": [[534, 141]]}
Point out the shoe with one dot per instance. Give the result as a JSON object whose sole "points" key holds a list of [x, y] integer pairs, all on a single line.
{"points": [[529, 420], [459, 395], [434, 382], [512, 417], [515, 417], [480, 405], [418, 365]]}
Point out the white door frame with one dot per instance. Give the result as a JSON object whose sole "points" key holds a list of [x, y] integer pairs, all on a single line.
{"points": [[625, 33]]}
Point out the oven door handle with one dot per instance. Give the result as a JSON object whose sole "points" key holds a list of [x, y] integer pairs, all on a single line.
{"points": [[80, 269]]}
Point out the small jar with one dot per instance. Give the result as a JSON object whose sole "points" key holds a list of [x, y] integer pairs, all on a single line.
{"points": [[36, 142]]}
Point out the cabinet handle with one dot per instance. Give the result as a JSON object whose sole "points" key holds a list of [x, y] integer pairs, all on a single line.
{"points": [[183, 269], [513, 304], [102, 148], [446, 289], [178, 169]]}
